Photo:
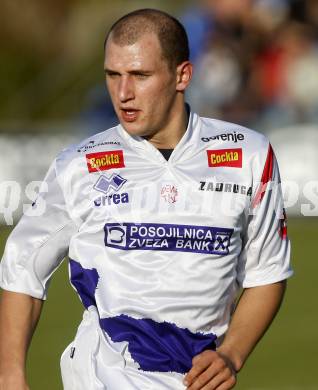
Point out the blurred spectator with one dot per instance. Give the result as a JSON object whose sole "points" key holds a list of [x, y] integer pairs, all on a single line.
{"points": [[222, 68], [198, 23], [283, 77], [255, 60], [259, 63]]}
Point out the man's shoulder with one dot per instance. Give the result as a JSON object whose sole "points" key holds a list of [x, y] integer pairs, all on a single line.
{"points": [[231, 134], [106, 140], [109, 139]]}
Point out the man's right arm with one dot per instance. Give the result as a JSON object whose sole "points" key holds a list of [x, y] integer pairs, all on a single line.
{"points": [[34, 250], [19, 314]]}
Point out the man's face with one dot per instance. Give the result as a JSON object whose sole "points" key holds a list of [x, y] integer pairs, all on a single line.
{"points": [[141, 85]]}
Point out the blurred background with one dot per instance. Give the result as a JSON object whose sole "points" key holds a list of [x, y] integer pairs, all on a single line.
{"points": [[256, 64]]}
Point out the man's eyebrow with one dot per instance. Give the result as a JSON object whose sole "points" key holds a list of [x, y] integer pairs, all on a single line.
{"points": [[133, 72], [140, 71], [107, 70]]}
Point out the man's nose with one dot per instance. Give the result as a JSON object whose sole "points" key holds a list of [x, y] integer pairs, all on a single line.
{"points": [[126, 89]]}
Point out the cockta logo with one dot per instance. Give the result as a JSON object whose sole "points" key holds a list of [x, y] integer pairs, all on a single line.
{"points": [[225, 158], [103, 161]]}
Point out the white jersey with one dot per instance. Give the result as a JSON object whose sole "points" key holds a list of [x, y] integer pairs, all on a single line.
{"points": [[158, 250]]}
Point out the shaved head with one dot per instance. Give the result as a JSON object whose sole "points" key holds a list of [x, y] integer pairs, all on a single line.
{"points": [[170, 32]]}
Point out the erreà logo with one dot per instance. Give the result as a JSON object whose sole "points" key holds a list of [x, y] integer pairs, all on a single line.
{"points": [[225, 158], [103, 161]]}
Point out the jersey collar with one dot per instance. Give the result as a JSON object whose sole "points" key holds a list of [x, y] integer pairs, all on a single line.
{"points": [[182, 151]]}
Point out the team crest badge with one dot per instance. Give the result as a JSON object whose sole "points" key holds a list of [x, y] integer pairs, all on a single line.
{"points": [[169, 193]]}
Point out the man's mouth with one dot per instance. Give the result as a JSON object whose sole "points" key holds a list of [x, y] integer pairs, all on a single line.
{"points": [[129, 114]]}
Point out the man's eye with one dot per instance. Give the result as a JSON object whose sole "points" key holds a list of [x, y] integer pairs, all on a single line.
{"points": [[111, 75], [141, 76]]}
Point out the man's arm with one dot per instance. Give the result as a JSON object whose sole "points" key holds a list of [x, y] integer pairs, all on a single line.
{"points": [[19, 314], [255, 311]]}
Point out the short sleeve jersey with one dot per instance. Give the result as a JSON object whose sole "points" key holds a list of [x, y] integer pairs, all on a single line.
{"points": [[158, 250]]}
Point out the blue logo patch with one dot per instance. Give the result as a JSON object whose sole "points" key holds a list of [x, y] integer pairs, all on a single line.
{"points": [[168, 237], [105, 184]]}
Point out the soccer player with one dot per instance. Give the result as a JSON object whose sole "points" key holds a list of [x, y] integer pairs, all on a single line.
{"points": [[165, 218]]}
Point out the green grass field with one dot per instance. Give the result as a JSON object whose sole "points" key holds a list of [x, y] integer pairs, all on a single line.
{"points": [[286, 358]]}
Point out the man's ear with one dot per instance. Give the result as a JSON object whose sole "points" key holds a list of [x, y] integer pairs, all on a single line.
{"points": [[184, 75]]}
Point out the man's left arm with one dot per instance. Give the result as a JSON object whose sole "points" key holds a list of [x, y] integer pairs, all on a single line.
{"points": [[263, 267], [254, 313]]}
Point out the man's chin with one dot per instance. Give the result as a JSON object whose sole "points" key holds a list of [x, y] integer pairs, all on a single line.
{"points": [[133, 129]]}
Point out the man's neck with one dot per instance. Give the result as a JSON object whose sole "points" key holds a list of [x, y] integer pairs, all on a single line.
{"points": [[170, 136]]}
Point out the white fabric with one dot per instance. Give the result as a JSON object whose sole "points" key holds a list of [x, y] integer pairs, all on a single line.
{"points": [[155, 198]]}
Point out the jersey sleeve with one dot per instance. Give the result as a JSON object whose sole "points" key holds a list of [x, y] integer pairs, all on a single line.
{"points": [[265, 255], [39, 242]]}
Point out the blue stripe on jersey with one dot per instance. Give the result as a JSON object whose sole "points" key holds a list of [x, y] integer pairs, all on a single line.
{"points": [[155, 346], [85, 281], [162, 347]]}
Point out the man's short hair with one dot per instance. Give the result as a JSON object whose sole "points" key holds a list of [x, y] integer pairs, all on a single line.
{"points": [[170, 32]]}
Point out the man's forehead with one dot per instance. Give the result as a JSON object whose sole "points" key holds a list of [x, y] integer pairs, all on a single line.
{"points": [[147, 40], [145, 50]]}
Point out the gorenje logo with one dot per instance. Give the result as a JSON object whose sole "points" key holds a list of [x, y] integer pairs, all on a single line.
{"points": [[168, 237], [234, 137]]}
